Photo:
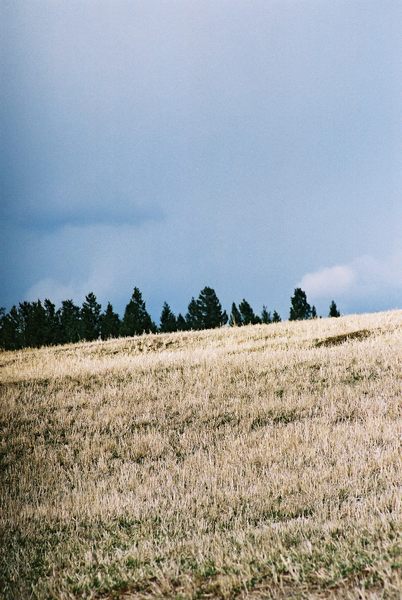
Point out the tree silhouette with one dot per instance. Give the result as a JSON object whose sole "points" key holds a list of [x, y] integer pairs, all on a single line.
{"points": [[333, 310], [109, 323], [300, 309], [2, 326], [52, 328], [210, 309], [91, 318], [37, 324], [70, 322], [32, 324], [168, 321], [235, 316], [194, 316], [248, 316], [181, 323], [10, 330], [265, 316], [276, 317], [136, 319]]}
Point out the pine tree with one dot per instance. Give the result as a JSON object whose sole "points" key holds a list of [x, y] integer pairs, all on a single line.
{"points": [[194, 316], [52, 328], [7, 332], [32, 324], [2, 325], [247, 314], [38, 325], [300, 309], [13, 330], [90, 317], [265, 316], [109, 323], [168, 321], [210, 309], [181, 323], [136, 319], [276, 317], [70, 322], [235, 319], [24, 314], [333, 310], [313, 312]]}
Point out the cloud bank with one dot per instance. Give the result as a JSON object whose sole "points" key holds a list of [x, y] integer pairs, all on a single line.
{"points": [[365, 280], [172, 145]]}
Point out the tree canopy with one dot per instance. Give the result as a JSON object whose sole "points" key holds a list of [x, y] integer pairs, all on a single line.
{"points": [[136, 318], [333, 310], [300, 309], [37, 323]]}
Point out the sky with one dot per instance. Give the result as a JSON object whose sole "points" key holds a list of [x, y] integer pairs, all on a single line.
{"points": [[252, 146]]}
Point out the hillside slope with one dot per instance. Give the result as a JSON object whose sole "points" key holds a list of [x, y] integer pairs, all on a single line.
{"points": [[261, 461]]}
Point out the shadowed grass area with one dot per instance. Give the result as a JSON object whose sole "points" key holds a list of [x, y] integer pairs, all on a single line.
{"points": [[334, 340], [219, 464]]}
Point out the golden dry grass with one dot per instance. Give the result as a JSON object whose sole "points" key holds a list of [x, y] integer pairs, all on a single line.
{"points": [[262, 461]]}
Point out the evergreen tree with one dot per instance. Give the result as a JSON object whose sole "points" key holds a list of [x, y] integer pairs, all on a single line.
{"points": [[6, 332], [333, 310], [109, 323], [91, 318], [24, 314], [70, 322], [13, 333], [194, 315], [313, 312], [181, 323], [235, 316], [8, 339], [276, 317], [38, 325], [53, 334], [168, 321], [210, 309], [2, 325], [136, 319], [300, 309], [32, 317], [265, 316], [248, 316]]}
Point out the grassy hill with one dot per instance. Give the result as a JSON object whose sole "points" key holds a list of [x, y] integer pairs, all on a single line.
{"points": [[262, 461]]}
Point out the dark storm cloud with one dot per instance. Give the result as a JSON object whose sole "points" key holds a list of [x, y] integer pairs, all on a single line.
{"points": [[176, 144]]}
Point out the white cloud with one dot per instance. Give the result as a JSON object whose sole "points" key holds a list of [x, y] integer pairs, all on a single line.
{"points": [[330, 281], [364, 278], [55, 290]]}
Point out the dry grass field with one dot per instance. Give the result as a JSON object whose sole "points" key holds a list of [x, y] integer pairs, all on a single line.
{"points": [[260, 462]]}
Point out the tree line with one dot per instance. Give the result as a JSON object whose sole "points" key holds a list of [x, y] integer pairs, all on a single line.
{"points": [[35, 324]]}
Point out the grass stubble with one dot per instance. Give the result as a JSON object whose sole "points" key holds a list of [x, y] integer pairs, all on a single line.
{"points": [[259, 462]]}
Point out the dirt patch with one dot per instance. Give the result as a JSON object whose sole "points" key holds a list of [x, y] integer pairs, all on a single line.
{"points": [[335, 340]]}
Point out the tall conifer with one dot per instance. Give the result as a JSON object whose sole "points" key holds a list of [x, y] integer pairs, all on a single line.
{"points": [[247, 314], [300, 309], [276, 317], [168, 321], [235, 319], [136, 319], [265, 316], [333, 310], [91, 317], [109, 323], [210, 309]]}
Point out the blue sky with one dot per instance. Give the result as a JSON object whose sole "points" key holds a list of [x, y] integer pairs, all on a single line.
{"points": [[250, 146]]}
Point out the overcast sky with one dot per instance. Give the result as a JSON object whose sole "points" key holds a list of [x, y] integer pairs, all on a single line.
{"points": [[253, 146]]}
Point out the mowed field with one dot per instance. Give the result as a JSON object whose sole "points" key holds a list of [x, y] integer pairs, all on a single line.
{"points": [[261, 462]]}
